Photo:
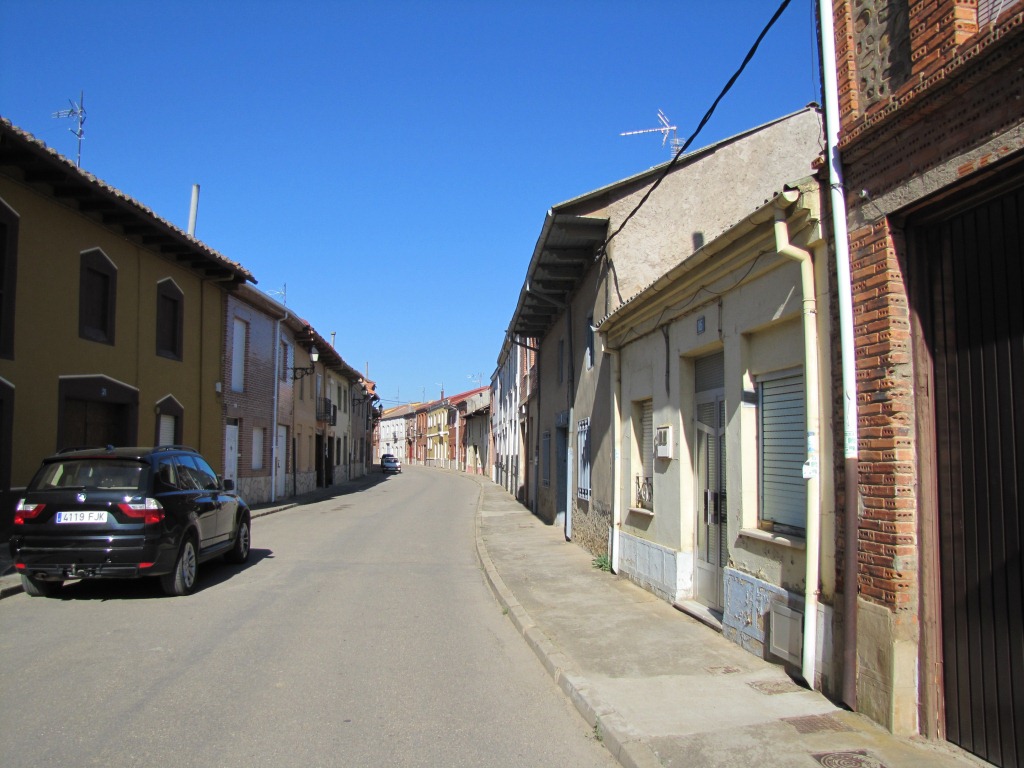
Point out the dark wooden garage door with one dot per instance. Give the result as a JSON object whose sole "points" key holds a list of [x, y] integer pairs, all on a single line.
{"points": [[973, 258]]}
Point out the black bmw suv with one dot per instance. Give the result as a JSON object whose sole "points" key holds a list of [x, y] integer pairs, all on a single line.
{"points": [[126, 513]]}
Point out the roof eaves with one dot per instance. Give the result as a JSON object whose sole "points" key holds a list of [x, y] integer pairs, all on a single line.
{"points": [[784, 198], [683, 161], [67, 181]]}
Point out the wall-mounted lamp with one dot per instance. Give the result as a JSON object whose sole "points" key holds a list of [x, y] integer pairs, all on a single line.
{"points": [[314, 355], [362, 394]]}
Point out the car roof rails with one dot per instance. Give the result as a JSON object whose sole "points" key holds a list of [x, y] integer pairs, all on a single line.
{"points": [[73, 448], [174, 448]]}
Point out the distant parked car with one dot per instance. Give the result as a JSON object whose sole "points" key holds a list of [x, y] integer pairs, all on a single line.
{"points": [[126, 513], [390, 463]]}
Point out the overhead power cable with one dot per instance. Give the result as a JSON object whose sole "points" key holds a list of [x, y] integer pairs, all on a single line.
{"points": [[700, 127]]}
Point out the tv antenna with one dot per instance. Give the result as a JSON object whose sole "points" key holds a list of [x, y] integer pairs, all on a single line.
{"points": [[283, 293], [76, 111], [665, 129]]}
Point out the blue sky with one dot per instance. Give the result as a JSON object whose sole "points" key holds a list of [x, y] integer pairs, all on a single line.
{"points": [[390, 162]]}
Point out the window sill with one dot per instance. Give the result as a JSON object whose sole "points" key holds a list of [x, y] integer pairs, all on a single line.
{"points": [[782, 539], [641, 511]]}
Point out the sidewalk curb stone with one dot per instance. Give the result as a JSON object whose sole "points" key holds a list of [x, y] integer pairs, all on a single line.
{"points": [[618, 738]]}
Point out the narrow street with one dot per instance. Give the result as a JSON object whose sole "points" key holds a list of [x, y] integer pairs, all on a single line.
{"points": [[361, 633]]}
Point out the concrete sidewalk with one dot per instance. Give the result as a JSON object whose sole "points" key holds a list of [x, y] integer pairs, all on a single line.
{"points": [[661, 688]]}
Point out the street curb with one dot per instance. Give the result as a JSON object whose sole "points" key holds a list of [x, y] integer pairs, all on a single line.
{"points": [[623, 742], [12, 588], [253, 514]]}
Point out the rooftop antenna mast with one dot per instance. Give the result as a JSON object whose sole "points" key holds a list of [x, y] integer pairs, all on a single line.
{"points": [[283, 293], [77, 111], [665, 129]]}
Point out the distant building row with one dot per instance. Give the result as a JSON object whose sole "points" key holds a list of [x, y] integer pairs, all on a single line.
{"points": [[118, 328], [452, 432]]}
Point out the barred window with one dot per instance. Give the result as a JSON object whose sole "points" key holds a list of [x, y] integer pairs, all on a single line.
{"points": [[583, 458]]}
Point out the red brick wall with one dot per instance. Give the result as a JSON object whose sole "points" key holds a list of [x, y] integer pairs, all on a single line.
{"points": [[253, 406], [964, 88], [885, 420]]}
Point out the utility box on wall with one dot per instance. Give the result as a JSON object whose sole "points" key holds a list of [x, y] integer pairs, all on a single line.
{"points": [[663, 442]]}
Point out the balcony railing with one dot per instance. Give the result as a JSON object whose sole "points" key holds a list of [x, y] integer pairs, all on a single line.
{"points": [[645, 493], [326, 411]]}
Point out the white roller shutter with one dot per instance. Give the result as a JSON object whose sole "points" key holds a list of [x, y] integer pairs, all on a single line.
{"points": [[167, 429], [783, 450]]}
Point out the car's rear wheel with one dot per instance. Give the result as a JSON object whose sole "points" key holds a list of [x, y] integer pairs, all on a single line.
{"points": [[40, 587], [182, 579], [239, 553]]}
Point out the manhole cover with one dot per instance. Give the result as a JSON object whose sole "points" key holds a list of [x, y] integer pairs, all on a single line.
{"points": [[858, 759], [816, 724], [774, 687]]}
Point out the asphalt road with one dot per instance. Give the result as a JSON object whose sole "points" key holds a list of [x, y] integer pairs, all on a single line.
{"points": [[361, 633]]}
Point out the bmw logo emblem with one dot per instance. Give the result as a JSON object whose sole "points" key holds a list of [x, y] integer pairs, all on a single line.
{"points": [[80, 498]]}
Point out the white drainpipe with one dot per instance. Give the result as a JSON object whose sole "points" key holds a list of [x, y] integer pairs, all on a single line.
{"points": [[841, 242], [811, 377], [616, 463]]}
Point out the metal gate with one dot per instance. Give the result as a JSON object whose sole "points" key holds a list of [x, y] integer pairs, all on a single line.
{"points": [[974, 327]]}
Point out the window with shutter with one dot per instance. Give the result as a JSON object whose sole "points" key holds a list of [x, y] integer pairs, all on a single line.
{"points": [[8, 277], [169, 319], [238, 338], [168, 429], [782, 450], [258, 434], [644, 476], [97, 297]]}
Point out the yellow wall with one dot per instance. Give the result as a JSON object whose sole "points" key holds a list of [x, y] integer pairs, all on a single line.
{"points": [[47, 345]]}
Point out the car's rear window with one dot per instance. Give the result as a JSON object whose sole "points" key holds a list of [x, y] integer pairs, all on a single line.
{"points": [[92, 474]]}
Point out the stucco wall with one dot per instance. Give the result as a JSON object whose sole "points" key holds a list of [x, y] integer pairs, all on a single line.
{"points": [[702, 198], [51, 240]]}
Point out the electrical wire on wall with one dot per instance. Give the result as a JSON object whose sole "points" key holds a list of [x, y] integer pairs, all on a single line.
{"points": [[602, 251]]}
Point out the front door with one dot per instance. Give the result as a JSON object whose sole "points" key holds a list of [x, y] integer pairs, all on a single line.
{"points": [[231, 451], [319, 461], [561, 472], [281, 461], [709, 467], [971, 257]]}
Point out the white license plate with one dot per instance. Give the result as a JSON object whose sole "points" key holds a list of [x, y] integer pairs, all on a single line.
{"points": [[91, 516]]}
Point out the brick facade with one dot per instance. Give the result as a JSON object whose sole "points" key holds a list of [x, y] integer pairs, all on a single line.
{"points": [[252, 407], [962, 87], [930, 103]]}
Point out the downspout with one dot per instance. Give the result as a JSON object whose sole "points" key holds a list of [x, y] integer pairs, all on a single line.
{"points": [[277, 389], [570, 397], [535, 461], [616, 463], [811, 377], [840, 237]]}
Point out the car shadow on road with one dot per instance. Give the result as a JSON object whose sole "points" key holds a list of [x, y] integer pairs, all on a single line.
{"points": [[211, 574]]}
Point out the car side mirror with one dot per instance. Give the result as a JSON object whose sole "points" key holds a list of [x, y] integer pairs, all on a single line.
{"points": [[229, 484]]}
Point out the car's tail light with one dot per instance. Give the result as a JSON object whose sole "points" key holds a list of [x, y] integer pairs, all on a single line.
{"points": [[25, 511], [149, 510]]}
